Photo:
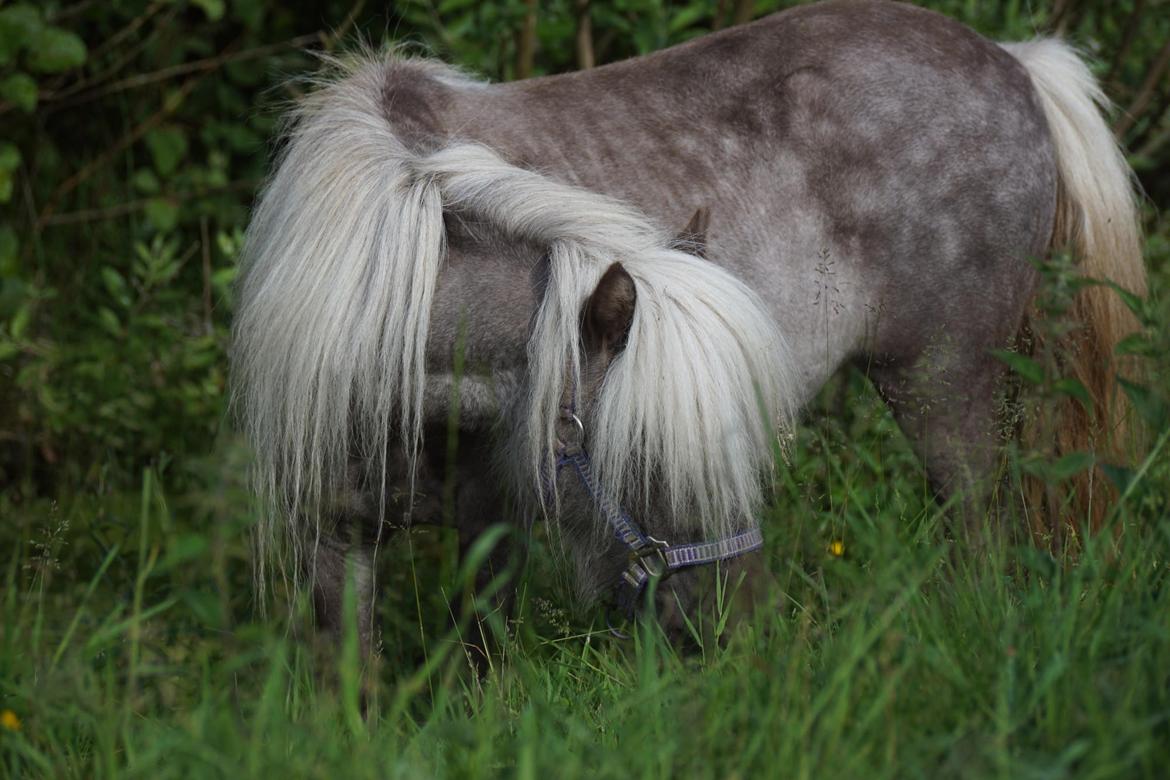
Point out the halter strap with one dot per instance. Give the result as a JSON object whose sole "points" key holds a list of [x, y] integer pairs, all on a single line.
{"points": [[650, 558]]}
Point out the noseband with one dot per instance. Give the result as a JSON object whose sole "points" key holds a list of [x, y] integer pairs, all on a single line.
{"points": [[650, 559]]}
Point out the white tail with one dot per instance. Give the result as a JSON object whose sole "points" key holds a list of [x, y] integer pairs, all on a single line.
{"points": [[1097, 221], [340, 265], [1099, 215]]}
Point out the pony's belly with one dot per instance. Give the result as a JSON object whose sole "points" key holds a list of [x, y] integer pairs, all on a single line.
{"points": [[479, 398]]}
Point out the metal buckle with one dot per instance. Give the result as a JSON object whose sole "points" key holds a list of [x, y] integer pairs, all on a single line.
{"points": [[565, 446], [651, 559]]}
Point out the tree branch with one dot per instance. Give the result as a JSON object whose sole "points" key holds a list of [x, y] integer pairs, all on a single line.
{"points": [[745, 11], [1060, 19], [1127, 36], [526, 45], [83, 216], [130, 138], [1146, 140], [195, 66], [720, 15], [1145, 93], [585, 58]]}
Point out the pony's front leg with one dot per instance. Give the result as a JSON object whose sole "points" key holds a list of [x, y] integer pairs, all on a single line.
{"points": [[480, 508], [467, 495]]}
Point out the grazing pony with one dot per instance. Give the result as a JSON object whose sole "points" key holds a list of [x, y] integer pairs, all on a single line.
{"points": [[436, 251]]}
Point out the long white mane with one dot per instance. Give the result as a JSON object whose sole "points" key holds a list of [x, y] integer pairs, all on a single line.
{"points": [[341, 266]]}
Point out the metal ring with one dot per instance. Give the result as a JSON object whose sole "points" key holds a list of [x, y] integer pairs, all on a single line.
{"points": [[573, 419]]}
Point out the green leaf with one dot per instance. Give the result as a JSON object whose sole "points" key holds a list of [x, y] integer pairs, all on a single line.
{"points": [[460, 27], [1074, 389], [249, 12], [145, 181], [1151, 407], [172, 99], [109, 321], [1131, 301], [686, 17], [240, 138], [1038, 561], [9, 249], [1059, 470], [9, 161], [180, 550], [21, 19], [19, 25], [9, 156], [1133, 344], [116, 286], [247, 73], [228, 243], [162, 213], [1068, 466], [212, 8], [1028, 369], [20, 90], [447, 6], [1120, 476], [20, 321], [167, 147], [55, 50], [204, 606]]}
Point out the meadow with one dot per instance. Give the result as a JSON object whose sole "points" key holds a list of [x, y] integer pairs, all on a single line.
{"points": [[133, 136]]}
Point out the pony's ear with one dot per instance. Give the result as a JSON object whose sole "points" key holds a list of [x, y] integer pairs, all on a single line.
{"points": [[605, 322], [693, 237]]}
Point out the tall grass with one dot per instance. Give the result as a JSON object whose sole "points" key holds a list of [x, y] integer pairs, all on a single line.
{"points": [[129, 647]]}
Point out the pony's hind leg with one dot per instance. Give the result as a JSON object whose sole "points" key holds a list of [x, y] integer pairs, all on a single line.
{"points": [[945, 403]]}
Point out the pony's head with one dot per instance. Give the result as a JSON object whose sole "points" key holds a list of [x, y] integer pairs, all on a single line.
{"points": [[668, 403], [629, 518]]}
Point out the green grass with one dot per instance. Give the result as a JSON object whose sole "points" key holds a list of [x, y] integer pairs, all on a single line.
{"points": [[129, 646]]}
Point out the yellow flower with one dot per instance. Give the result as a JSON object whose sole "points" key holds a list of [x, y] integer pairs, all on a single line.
{"points": [[9, 720], [836, 548]]}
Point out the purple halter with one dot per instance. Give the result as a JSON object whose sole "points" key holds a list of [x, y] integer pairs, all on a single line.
{"points": [[650, 558]]}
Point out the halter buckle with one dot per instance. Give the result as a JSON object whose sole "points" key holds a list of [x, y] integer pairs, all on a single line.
{"points": [[650, 558]]}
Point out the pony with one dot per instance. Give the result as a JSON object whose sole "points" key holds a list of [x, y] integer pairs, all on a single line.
{"points": [[609, 284]]}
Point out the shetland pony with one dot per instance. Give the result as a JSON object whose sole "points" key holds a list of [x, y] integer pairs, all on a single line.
{"points": [[432, 249]]}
